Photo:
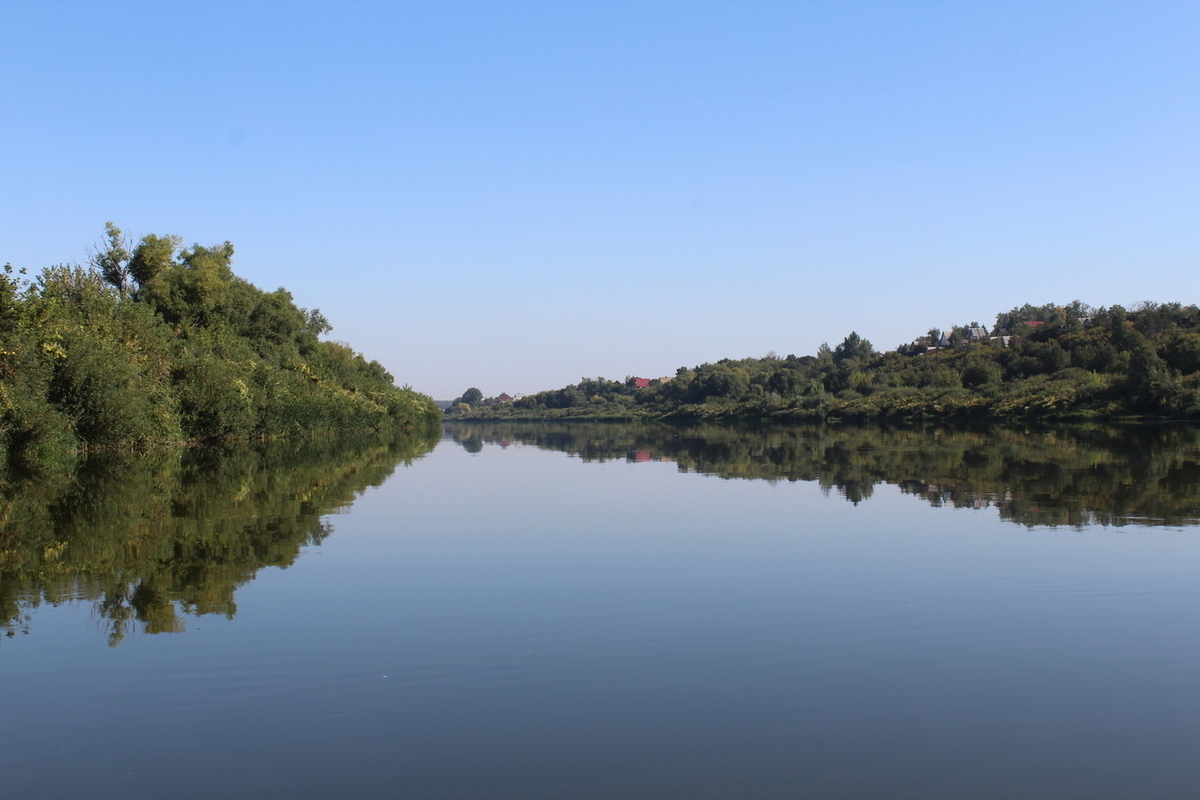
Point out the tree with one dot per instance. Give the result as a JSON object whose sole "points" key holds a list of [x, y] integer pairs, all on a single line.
{"points": [[152, 255], [471, 397], [316, 322], [853, 346], [194, 290], [112, 259]]}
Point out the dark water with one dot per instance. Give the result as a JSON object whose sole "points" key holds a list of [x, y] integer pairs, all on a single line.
{"points": [[596, 611]]}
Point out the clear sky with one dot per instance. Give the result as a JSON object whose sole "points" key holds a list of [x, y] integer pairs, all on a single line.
{"points": [[512, 195]]}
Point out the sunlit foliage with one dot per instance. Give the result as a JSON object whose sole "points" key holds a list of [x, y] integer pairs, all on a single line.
{"points": [[154, 344]]}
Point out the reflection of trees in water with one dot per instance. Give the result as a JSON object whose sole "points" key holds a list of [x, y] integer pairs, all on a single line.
{"points": [[148, 537], [1069, 475]]}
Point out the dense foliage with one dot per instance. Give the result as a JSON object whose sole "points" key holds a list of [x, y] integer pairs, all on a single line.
{"points": [[1065, 362], [152, 343], [1075, 475], [150, 537]]}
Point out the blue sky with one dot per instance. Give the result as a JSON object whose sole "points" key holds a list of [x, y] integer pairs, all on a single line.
{"points": [[513, 195]]}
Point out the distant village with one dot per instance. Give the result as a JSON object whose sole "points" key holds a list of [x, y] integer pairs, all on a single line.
{"points": [[971, 334]]}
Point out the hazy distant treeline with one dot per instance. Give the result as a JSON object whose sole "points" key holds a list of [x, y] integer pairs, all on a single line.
{"points": [[1065, 362], [151, 343]]}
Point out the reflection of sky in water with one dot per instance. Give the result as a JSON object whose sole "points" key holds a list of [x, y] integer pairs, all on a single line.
{"points": [[517, 623]]}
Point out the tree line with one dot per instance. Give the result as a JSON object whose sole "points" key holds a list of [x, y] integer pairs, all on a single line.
{"points": [[1049, 361], [157, 343]]}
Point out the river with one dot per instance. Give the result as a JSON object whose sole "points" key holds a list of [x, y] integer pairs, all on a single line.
{"points": [[602, 610]]}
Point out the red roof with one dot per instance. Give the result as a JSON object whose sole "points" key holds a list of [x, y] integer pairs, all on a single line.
{"points": [[641, 383]]}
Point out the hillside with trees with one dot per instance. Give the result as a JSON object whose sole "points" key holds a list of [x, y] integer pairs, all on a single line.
{"points": [[1047, 362], [153, 343]]}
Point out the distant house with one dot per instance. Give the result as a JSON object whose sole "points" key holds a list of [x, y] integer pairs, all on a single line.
{"points": [[974, 334], [641, 383], [503, 398]]}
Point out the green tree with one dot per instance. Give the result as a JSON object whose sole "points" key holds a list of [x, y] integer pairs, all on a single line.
{"points": [[471, 397], [152, 255], [112, 259], [195, 290], [853, 346]]}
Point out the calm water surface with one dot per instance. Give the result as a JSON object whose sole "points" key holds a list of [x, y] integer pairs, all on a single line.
{"points": [[603, 611]]}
